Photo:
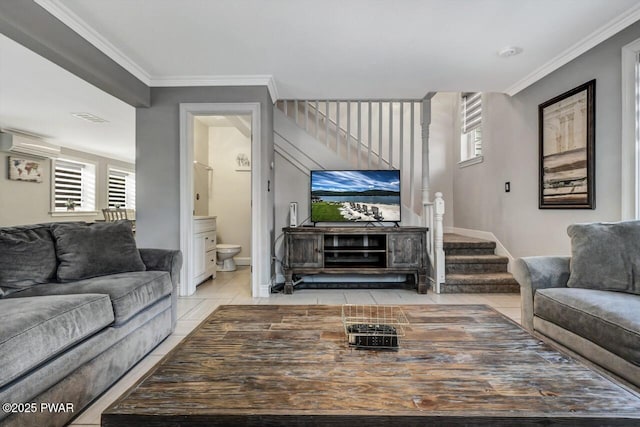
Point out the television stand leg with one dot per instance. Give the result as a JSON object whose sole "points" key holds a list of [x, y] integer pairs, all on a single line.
{"points": [[288, 283], [422, 283]]}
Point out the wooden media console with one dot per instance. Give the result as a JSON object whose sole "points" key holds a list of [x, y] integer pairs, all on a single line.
{"points": [[361, 250]]}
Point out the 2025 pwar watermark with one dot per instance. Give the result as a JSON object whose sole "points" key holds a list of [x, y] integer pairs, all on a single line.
{"points": [[33, 407]]}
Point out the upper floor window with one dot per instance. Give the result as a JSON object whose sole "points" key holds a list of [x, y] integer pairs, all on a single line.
{"points": [[122, 189], [74, 186], [471, 125]]}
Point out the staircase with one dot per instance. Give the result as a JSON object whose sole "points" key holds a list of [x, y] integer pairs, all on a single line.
{"points": [[472, 267], [343, 134]]}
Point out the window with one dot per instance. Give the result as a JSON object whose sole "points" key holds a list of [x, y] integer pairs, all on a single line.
{"points": [[122, 189], [74, 186], [471, 126]]}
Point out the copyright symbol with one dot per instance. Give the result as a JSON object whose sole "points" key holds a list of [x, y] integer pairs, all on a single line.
{"points": [[6, 407]]}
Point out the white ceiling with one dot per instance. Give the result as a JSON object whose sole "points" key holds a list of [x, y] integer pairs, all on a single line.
{"points": [[346, 49], [38, 96]]}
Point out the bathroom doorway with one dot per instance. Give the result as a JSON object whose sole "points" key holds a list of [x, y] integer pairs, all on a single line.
{"points": [[259, 172], [222, 178]]}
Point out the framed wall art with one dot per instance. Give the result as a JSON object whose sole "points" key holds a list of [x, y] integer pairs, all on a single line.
{"points": [[25, 169], [566, 126]]}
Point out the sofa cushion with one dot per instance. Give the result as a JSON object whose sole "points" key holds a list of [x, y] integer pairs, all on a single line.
{"points": [[38, 328], [130, 293], [605, 256], [91, 250], [27, 257], [608, 319]]}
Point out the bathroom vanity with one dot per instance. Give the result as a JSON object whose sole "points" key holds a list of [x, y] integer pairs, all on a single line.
{"points": [[204, 248]]}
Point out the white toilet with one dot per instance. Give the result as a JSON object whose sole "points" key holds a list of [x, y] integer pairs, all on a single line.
{"points": [[225, 254]]}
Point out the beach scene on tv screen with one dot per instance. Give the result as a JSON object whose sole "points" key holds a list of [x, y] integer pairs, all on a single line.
{"points": [[338, 196]]}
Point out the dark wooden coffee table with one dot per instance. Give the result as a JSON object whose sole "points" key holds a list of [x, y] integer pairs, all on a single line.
{"points": [[291, 365]]}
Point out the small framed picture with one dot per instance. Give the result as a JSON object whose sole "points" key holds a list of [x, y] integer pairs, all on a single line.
{"points": [[25, 169], [243, 162], [566, 126]]}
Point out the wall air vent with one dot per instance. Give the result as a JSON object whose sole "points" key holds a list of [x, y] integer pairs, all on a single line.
{"points": [[89, 117], [21, 144]]}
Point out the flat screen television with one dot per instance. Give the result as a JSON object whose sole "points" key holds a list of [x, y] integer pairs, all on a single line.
{"points": [[355, 195]]}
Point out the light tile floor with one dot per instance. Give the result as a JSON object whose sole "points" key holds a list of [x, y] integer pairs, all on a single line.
{"points": [[234, 288]]}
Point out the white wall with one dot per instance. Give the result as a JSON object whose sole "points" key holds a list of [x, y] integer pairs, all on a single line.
{"points": [[231, 189], [442, 139], [510, 149], [30, 203]]}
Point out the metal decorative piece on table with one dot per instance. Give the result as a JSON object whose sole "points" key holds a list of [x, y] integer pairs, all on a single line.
{"points": [[373, 327], [567, 149]]}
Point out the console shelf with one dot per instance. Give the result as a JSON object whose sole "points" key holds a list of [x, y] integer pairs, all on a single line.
{"points": [[362, 250]]}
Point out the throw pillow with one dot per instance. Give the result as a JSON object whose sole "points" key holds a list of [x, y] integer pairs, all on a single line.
{"points": [[605, 256], [27, 257], [98, 249]]}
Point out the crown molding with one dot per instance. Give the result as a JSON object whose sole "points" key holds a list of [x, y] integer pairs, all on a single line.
{"points": [[230, 80], [613, 27], [73, 21]]}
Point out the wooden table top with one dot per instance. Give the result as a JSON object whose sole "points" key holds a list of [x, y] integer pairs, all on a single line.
{"points": [[291, 365]]}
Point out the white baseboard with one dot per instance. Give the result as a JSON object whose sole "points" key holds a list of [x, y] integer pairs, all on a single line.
{"points": [[242, 260], [486, 235], [264, 290]]}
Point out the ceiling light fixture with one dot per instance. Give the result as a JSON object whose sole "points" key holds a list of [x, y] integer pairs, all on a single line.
{"points": [[89, 117], [509, 51]]}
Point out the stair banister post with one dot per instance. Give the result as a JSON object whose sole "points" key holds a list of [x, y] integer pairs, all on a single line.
{"points": [[439, 240]]}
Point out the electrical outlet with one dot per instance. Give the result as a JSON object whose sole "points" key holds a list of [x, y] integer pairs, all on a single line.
{"points": [[507, 187]]}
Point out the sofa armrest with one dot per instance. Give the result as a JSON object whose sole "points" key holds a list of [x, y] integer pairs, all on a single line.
{"points": [[165, 260], [533, 273]]}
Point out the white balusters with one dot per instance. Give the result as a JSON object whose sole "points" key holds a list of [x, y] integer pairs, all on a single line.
{"points": [[370, 126], [338, 129], [326, 122], [411, 151], [349, 131], [379, 135], [390, 135], [317, 118], [359, 133], [352, 133], [438, 240]]}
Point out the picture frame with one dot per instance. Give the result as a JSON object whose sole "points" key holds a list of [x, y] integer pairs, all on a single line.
{"points": [[28, 170], [243, 162], [566, 132]]}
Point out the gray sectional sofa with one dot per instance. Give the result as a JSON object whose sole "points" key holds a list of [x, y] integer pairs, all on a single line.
{"points": [[79, 306], [589, 302]]}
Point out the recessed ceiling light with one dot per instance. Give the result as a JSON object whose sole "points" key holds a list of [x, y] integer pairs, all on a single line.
{"points": [[509, 51], [89, 117]]}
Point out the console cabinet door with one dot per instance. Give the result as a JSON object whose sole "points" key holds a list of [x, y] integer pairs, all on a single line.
{"points": [[406, 250], [305, 250], [199, 255]]}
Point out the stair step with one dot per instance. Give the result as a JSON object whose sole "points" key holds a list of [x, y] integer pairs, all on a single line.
{"points": [[477, 259], [455, 244], [475, 283], [473, 264], [457, 241], [468, 251]]}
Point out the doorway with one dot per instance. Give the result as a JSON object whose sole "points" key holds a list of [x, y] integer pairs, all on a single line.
{"points": [[188, 118], [222, 178]]}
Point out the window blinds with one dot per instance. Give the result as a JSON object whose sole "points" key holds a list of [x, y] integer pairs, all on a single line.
{"points": [[68, 184], [122, 189], [471, 111]]}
